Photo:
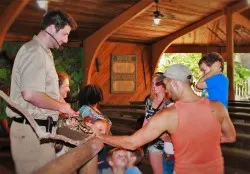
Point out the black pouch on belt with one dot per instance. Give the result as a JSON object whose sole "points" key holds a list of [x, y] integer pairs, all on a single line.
{"points": [[49, 124]]}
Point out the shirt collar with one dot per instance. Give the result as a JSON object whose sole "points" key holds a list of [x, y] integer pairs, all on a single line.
{"points": [[42, 44]]}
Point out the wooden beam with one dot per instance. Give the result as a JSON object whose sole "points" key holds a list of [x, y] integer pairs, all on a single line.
{"points": [[159, 47], [93, 43], [9, 15], [216, 35], [239, 6], [204, 49], [229, 52]]}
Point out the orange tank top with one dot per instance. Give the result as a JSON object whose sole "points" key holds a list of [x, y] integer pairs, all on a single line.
{"points": [[197, 139]]}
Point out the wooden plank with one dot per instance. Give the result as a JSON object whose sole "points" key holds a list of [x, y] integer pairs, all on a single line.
{"points": [[239, 116], [242, 127], [203, 49], [238, 109], [236, 152]]}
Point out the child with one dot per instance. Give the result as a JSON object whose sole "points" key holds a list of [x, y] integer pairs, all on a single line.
{"points": [[134, 158], [213, 84], [104, 127], [118, 160]]}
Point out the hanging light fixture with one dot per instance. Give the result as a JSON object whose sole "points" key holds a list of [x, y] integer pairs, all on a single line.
{"points": [[157, 14]]}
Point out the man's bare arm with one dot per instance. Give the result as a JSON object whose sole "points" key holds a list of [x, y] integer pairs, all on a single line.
{"points": [[44, 101], [227, 127], [144, 122], [153, 129]]}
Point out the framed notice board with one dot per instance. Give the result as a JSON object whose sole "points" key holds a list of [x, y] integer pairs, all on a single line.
{"points": [[123, 73]]}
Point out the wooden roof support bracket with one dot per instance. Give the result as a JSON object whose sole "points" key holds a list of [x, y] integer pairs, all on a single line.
{"points": [[239, 19], [93, 43], [9, 15], [216, 35], [160, 47]]}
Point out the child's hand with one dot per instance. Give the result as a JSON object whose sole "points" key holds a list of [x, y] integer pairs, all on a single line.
{"points": [[216, 67]]}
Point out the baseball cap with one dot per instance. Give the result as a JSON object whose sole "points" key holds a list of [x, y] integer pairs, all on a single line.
{"points": [[178, 72]]}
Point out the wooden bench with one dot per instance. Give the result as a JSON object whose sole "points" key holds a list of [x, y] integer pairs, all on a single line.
{"points": [[137, 103], [4, 142], [242, 142], [242, 127], [239, 116], [123, 120], [121, 130], [132, 107], [236, 158], [237, 103], [239, 109]]}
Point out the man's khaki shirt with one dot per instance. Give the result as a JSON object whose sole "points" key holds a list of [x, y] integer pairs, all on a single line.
{"points": [[34, 69]]}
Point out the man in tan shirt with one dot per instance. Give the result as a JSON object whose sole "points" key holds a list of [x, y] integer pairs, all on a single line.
{"points": [[34, 86]]}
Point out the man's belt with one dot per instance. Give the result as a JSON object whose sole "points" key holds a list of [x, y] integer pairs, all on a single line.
{"points": [[49, 123]]}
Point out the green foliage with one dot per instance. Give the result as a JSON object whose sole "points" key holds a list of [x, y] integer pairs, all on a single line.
{"points": [[240, 73], [189, 59], [4, 73], [69, 61]]}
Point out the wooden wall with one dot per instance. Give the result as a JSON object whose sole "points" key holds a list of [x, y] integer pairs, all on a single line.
{"points": [[102, 78]]}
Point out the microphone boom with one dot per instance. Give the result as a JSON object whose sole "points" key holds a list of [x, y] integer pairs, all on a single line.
{"points": [[60, 47]]}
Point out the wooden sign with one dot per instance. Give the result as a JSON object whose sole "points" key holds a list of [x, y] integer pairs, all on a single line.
{"points": [[123, 73]]}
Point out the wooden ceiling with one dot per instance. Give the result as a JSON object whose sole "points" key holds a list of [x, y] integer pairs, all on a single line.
{"points": [[91, 15]]}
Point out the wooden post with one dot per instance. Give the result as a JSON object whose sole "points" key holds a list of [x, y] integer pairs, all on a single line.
{"points": [[229, 52]]}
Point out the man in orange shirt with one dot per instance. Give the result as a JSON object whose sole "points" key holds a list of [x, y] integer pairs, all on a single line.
{"points": [[196, 125]]}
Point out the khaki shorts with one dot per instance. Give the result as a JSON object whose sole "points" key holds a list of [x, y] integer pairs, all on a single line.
{"points": [[27, 151]]}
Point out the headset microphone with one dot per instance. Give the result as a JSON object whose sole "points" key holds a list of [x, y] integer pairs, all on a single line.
{"points": [[60, 47]]}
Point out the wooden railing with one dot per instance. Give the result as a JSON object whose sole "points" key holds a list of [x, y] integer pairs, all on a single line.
{"points": [[78, 159], [241, 90]]}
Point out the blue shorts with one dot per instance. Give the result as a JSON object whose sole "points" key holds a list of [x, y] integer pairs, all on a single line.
{"points": [[168, 166]]}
